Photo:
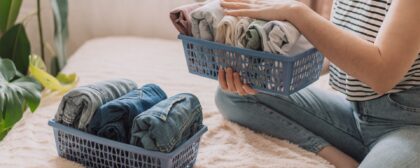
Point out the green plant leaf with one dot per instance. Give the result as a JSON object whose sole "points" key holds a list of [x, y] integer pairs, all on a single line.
{"points": [[54, 69], [15, 95], [25, 86], [2, 104], [3, 133], [9, 10], [61, 32], [8, 70], [14, 107], [67, 78], [14, 45], [49, 81], [37, 61]]}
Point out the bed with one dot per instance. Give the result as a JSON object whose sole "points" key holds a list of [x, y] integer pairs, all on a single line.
{"points": [[31, 143]]}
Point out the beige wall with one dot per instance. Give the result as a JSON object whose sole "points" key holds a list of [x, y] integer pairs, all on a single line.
{"points": [[100, 18]]}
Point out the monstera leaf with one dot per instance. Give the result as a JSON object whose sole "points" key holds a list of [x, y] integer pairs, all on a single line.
{"points": [[16, 94]]}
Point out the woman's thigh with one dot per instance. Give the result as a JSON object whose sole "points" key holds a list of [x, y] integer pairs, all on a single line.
{"points": [[310, 113], [390, 126], [398, 149]]}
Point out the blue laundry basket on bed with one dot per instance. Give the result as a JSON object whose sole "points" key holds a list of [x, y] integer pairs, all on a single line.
{"points": [[93, 151], [266, 72]]}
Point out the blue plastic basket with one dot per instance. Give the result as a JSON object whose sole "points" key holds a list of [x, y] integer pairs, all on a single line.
{"points": [[93, 151], [266, 72]]}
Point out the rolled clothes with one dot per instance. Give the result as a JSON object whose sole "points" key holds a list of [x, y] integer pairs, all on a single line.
{"points": [[205, 19], [168, 124], [281, 37], [181, 17], [255, 36], [79, 105], [240, 31], [226, 30], [114, 119], [302, 44]]}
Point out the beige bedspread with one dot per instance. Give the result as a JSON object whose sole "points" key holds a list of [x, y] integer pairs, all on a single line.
{"points": [[31, 144]]}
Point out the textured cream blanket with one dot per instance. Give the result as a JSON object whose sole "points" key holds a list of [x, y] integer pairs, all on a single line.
{"points": [[31, 144]]}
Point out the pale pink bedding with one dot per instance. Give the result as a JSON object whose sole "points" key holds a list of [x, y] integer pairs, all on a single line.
{"points": [[31, 144]]}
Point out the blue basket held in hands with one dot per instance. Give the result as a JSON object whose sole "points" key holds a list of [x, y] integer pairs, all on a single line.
{"points": [[266, 72]]}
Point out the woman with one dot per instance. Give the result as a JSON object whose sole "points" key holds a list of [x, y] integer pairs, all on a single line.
{"points": [[373, 47]]}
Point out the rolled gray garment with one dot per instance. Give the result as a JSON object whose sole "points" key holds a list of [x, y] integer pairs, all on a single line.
{"points": [[240, 31], [79, 105], [302, 44], [281, 37], [205, 19]]}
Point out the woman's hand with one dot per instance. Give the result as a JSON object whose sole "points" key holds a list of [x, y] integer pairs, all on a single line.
{"points": [[261, 9], [231, 81]]}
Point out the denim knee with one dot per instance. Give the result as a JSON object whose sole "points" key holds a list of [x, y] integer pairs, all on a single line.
{"points": [[396, 149], [229, 104]]}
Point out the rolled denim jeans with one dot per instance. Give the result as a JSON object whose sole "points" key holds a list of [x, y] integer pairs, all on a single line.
{"points": [[168, 124], [79, 105], [114, 119]]}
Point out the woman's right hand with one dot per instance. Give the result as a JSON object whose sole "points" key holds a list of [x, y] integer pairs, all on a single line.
{"points": [[262, 9], [231, 82]]}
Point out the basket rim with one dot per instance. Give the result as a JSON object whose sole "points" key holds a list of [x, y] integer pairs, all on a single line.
{"points": [[246, 51], [128, 147]]}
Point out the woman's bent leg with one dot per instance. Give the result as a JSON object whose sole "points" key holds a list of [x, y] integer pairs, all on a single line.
{"points": [[398, 149], [311, 118]]}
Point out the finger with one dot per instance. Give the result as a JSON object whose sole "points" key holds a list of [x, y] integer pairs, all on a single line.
{"points": [[249, 90], [222, 79], [229, 79], [235, 5], [252, 13], [238, 84]]}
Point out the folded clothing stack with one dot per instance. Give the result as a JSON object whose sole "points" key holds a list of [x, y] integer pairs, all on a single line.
{"points": [[143, 116], [79, 105], [208, 22], [159, 128]]}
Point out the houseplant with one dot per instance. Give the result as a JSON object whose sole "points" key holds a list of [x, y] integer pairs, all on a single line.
{"points": [[23, 76]]}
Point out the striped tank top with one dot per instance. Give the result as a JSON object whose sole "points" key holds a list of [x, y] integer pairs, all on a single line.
{"points": [[364, 18]]}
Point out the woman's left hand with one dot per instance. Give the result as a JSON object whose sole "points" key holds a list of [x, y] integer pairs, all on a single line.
{"points": [[261, 9], [231, 81]]}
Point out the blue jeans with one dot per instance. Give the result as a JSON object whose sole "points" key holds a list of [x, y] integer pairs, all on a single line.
{"points": [[168, 124], [114, 119], [79, 105], [384, 132]]}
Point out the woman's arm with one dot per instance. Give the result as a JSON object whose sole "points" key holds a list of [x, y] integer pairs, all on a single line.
{"points": [[325, 67], [381, 64]]}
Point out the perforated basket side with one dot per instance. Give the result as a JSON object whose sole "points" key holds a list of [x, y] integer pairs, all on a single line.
{"points": [[266, 72], [92, 151], [187, 157], [94, 154], [263, 71], [306, 70]]}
